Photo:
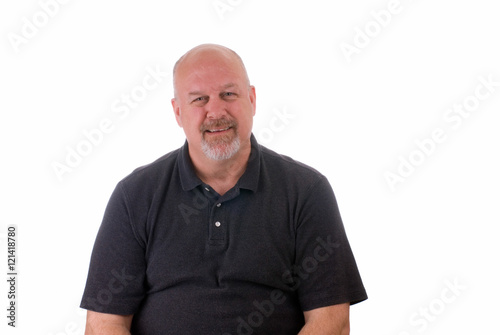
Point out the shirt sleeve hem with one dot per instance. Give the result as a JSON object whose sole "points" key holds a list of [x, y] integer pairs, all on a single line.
{"points": [[353, 298], [110, 309]]}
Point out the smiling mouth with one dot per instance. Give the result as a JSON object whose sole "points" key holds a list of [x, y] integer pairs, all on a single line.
{"points": [[218, 130]]}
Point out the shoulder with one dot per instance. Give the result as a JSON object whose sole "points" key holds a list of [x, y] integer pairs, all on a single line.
{"points": [[153, 173], [285, 169]]}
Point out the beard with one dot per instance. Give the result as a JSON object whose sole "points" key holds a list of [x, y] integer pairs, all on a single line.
{"points": [[223, 146]]}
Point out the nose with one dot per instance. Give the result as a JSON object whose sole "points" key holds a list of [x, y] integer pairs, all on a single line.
{"points": [[216, 108]]}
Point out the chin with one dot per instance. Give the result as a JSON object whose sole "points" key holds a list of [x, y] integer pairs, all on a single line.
{"points": [[220, 152]]}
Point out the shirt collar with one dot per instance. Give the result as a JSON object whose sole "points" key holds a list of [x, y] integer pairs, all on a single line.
{"points": [[249, 180]]}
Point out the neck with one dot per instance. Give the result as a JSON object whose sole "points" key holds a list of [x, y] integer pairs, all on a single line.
{"points": [[221, 175]]}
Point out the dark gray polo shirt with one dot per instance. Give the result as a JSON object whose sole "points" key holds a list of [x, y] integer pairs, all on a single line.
{"points": [[185, 260]]}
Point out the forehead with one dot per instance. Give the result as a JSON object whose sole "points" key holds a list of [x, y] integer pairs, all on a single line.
{"points": [[209, 68], [198, 90]]}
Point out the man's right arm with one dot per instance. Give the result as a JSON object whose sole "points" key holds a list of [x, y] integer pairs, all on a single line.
{"points": [[108, 324]]}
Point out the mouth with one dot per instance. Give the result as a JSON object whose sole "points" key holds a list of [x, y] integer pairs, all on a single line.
{"points": [[219, 130]]}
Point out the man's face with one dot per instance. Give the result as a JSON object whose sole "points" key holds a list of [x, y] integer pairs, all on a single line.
{"points": [[214, 104]]}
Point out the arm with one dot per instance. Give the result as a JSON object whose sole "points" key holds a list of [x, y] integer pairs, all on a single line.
{"points": [[108, 324], [330, 320]]}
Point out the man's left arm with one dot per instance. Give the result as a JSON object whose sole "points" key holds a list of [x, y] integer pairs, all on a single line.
{"points": [[329, 320]]}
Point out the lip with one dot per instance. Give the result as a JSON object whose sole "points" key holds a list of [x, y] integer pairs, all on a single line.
{"points": [[218, 131]]}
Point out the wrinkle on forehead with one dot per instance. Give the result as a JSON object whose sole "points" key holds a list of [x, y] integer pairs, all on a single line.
{"points": [[223, 87]]}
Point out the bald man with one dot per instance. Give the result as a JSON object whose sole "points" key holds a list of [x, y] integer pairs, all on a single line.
{"points": [[222, 236]]}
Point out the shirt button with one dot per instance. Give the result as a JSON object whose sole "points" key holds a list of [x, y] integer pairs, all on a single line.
{"points": [[217, 224], [219, 204], [207, 189]]}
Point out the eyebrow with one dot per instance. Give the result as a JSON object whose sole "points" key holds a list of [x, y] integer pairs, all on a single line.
{"points": [[225, 87]]}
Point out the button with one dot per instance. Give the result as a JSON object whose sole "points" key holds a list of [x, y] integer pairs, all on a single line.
{"points": [[207, 189], [217, 224], [219, 204]]}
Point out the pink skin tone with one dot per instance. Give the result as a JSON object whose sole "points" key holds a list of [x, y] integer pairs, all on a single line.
{"points": [[213, 93]]}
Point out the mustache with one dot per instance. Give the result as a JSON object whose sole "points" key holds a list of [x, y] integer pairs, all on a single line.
{"points": [[218, 124]]}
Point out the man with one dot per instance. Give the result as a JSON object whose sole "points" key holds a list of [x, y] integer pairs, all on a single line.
{"points": [[222, 236]]}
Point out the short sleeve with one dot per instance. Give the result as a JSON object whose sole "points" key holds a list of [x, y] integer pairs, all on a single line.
{"points": [[325, 271], [116, 277]]}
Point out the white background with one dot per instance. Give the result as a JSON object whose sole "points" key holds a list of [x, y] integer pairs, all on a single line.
{"points": [[352, 120]]}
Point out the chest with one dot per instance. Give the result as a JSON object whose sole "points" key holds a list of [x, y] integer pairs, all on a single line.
{"points": [[213, 242]]}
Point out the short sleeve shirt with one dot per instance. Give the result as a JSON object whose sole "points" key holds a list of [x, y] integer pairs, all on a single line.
{"points": [[186, 260]]}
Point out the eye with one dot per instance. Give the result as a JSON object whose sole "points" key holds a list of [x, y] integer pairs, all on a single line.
{"points": [[228, 95], [199, 99]]}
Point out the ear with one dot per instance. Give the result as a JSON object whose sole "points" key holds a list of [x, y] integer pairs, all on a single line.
{"points": [[177, 112], [253, 98]]}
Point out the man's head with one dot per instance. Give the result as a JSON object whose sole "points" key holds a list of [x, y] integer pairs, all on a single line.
{"points": [[213, 101]]}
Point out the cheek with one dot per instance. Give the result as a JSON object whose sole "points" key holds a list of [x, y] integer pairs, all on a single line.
{"points": [[245, 124], [192, 121]]}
